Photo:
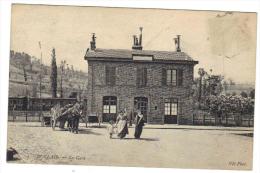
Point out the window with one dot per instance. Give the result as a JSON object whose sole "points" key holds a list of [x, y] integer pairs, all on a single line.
{"points": [[110, 75], [172, 77], [109, 105], [141, 77], [171, 106]]}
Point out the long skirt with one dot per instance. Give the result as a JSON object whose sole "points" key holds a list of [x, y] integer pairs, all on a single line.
{"points": [[138, 131], [122, 129]]}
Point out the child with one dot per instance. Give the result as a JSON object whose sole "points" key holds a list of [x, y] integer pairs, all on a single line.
{"points": [[110, 128]]}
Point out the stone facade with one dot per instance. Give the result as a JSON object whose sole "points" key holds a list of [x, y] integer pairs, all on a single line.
{"points": [[126, 90]]}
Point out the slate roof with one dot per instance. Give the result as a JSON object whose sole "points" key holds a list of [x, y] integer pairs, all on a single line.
{"points": [[126, 55]]}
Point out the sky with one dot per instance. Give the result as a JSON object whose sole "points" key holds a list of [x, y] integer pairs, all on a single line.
{"points": [[222, 41]]}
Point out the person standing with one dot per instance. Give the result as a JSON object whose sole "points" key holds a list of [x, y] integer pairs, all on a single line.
{"points": [[139, 123], [121, 124]]}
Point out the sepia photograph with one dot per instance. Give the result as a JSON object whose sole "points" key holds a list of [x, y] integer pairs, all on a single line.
{"points": [[131, 87]]}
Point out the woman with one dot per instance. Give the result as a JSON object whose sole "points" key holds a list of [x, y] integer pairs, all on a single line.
{"points": [[139, 123], [121, 124]]}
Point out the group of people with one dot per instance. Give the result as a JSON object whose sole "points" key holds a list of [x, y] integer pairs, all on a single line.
{"points": [[73, 112], [70, 113], [120, 126]]}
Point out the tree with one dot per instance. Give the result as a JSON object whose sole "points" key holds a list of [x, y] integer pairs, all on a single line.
{"points": [[225, 85], [243, 94], [53, 74], [252, 94], [62, 66], [234, 93], [229, 104], [201, 73]]}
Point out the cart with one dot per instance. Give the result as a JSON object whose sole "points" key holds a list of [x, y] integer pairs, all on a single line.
{"points": [[45, 119]]}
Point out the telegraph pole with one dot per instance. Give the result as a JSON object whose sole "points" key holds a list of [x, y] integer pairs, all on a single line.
{"points": [[40, 94]]}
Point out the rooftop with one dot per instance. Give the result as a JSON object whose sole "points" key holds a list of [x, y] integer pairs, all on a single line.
{"points": [[127, 55]]}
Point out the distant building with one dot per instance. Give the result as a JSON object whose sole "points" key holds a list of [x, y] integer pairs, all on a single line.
{"points": [[159, 83]]}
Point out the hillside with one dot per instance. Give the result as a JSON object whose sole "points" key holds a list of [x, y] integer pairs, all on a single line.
{"points": [[26, 73]]}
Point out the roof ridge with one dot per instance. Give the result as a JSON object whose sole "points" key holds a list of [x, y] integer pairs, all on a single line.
{"points": [[101, 53], [144, 50]]}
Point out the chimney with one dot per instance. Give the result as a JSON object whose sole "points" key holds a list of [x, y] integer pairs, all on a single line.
{"points": [[93, 42], [177, 43], [134, 37], [137, 45], [140, 36]]}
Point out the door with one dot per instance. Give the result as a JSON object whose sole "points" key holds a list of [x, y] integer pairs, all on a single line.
{"points": [[141, 103], [109, 108], [171, 111]]}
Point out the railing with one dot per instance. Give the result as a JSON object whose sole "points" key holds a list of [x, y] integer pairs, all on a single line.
{"points": [[27, 116], [229, 119]]}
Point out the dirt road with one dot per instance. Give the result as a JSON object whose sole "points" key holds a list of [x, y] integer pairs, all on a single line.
{"points": [[178, 148]]}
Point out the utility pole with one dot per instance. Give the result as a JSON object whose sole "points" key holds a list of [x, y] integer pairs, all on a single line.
{"points": [[40, 94]]}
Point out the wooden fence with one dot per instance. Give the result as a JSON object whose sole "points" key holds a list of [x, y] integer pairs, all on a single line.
{"points": [[229, 119]]}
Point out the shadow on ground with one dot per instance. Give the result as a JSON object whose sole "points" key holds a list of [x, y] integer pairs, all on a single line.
{"points": [[141, 139], [245, 134], [89, 132], [186, 128]]}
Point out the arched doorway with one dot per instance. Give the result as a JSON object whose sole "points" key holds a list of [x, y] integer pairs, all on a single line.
{"points": [[141, 103]]}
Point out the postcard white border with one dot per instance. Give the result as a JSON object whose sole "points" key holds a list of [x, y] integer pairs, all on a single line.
{"points": [[219, 5]]}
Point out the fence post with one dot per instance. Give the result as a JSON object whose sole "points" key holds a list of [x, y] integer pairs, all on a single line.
{"points": [[25, 116], [193, 119], [40, 116], [204, 119], [249, 121], [241, 120], [226, 119]]}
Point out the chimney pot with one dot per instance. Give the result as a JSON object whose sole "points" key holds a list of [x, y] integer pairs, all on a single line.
{"points": [[93, 42], [137, 45], [177, 43]]}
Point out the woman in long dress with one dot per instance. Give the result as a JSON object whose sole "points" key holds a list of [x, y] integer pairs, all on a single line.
{"points": [[139, 123], [121, 123]]}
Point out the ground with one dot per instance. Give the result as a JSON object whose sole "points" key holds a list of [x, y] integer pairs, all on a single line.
{"points": [[161, 146]]}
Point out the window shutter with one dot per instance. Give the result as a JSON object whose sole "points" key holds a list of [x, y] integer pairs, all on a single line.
{"points": [[144, 76], [107, 75], [179, 77], [113, 76], [138, 76], [164, 76], [110, 75]]}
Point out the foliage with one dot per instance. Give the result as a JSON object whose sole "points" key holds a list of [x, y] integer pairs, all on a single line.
{"points": [[252, 94], [229, 104], [206, 85], [243, 94]]}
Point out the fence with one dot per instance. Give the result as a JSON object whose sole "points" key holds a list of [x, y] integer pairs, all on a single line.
{"points": [[27, 116], [229, 119]]}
